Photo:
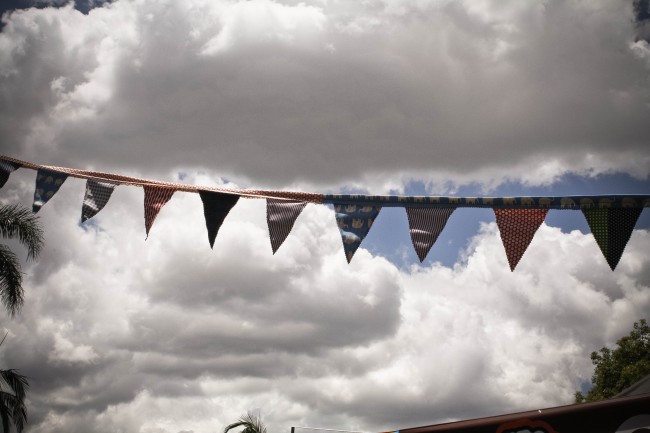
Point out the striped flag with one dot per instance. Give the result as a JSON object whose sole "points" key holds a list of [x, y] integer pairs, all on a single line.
{"points": [[97, 195], [517, 228], [216, 206], [280, 217], [612, 229], [48, 183], [6, 168], [425, 225], [155, 198]]}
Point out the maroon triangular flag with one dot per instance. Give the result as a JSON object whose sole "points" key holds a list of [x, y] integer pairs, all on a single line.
{"points": [[425, 225], [517, 228], [280, 217], [216, 206], [155, 198]]}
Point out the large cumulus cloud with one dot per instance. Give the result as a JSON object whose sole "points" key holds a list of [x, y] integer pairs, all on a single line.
{"points": [[167, 335]]}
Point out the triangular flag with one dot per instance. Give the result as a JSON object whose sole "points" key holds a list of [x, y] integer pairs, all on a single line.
{"points": [[425, 225], [48, 183], [216, 206], [97, 195], [280, 217], [612, 229], [155, 198], [6, 168], [517, 228], [354, 222]]}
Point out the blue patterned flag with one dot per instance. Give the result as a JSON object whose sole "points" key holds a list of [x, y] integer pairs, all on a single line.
{"points": [[425, 225], [280, 217], [612, 229], [48, 183], [216, 206], [6, 168], [97, 195], [354, 222]]}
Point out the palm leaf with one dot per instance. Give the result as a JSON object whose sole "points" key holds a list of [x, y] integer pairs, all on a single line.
{"points": [[13, 391], [11, 279], [20, 223], [250, 422]]}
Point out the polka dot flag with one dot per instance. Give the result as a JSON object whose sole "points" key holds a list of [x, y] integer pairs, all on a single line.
{"points": [[517, 228], [612, 229]]}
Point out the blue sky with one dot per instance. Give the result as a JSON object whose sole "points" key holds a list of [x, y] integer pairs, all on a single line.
{"points": [[435, 97]]}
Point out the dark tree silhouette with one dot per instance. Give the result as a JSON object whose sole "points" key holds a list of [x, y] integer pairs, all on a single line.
{"points": [[621, 367]]}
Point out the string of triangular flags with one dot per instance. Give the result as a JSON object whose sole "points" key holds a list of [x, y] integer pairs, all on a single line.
{"points": [[611, 218]]}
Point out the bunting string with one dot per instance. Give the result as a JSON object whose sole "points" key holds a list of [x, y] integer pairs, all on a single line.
{"points": [[127, 180], [611, 218]]}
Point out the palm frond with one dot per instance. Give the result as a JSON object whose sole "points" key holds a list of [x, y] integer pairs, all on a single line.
{"points": [[5, 415], [20, 223], [251, 423], [13, 391], [16, 381], [11, 280]]}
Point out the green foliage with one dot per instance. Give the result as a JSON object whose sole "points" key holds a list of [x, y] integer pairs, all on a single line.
{"points": [[250, 422], [621, 367], [13, 390], [16, 222]]}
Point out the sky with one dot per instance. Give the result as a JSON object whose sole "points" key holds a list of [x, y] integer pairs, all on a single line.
{"points": [[439, 97]]}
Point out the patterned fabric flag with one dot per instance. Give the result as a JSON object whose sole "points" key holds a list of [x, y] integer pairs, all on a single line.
{"points": [[48, 183], [517, 228], [425, 225], [216, 206], [97, 195], [155, 198], [280, 217], [612, 229], [354, 222], [6, 168]]}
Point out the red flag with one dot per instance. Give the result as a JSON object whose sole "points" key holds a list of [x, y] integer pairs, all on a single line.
{"points": [[155, 198], [517, 227]]}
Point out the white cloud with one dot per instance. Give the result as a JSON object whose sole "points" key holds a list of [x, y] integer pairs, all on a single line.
{"points": [[265, 22], [168, 335]]}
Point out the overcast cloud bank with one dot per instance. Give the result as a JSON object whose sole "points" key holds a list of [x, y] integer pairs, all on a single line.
{"points": [[328, 94]]}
